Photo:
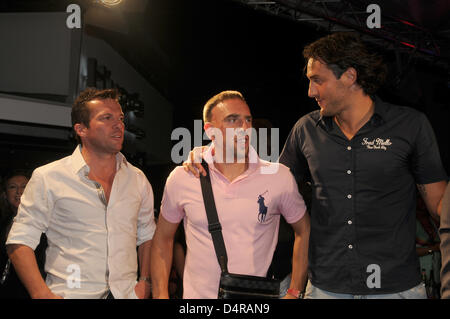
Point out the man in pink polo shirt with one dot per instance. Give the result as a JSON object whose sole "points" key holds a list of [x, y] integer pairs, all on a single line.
{"points": [[250, 194]]}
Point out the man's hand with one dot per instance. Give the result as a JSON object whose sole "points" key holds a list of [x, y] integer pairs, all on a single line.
{"points": [[288, 296], [143, 289], [47, 295], [193, 163]]}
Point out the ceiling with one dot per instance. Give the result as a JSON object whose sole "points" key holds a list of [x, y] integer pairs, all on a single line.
{"points": [[173, 43], [420, 27], [191, 49], [150, 33]]}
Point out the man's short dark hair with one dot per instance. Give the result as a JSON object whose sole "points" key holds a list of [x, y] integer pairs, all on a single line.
{"points": [[340, 51], [80, 110], [219, 98]]}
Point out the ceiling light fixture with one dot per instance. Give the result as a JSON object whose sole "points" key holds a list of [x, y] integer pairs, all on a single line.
{"points": [[110, 3]]}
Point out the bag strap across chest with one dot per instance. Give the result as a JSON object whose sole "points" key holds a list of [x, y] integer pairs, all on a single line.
{"points": [[214, 226]]}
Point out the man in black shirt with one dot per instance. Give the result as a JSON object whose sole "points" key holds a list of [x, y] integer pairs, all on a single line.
{"points": [[363, 158]]}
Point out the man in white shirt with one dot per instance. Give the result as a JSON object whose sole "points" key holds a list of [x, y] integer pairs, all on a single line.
{"points": [[94, 207]]}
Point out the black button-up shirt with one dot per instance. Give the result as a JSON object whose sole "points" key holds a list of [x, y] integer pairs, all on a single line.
{"points": [[364, 197]]}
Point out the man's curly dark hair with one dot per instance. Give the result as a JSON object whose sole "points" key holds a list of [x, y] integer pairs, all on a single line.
{"points": [[340, 51]]}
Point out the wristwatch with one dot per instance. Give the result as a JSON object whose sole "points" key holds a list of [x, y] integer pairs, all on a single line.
{"points": [[296, 293], [147, 279]]}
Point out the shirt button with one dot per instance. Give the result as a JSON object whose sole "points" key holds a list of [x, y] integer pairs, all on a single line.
{"points": [[349, 222], [349, 172], [349, 196], [350, 246], [349, 148]]}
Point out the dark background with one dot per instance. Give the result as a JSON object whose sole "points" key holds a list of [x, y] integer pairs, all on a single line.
{"points": [[191, 50]]}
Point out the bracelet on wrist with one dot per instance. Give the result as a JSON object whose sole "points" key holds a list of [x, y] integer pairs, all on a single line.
{"points": [[295, 293], [145, 278]]}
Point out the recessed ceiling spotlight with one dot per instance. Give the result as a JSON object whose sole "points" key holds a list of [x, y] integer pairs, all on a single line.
{"points": [[110, 3]]}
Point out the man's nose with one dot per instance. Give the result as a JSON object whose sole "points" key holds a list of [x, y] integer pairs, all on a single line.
{"points": [[312, 91], [119, 124], [246, 124]]}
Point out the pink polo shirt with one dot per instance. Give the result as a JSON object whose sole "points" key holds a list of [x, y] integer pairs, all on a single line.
{"points": [[249, 210]]}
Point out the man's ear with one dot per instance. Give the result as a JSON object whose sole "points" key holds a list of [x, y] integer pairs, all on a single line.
{"points": [[208, 127], [80, 129], [350, 76]]}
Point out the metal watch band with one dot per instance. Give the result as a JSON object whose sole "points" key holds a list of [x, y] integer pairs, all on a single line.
{"points": [[147, 279]]}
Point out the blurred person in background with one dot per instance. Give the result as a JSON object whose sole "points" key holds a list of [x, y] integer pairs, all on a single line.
{"points": [[13, 185]]}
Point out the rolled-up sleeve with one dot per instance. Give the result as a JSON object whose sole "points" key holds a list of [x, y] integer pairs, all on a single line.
{"points": [[146, 221], [33, 214]]}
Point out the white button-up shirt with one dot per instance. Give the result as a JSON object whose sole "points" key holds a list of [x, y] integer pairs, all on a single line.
{"points": [[91, 246]]}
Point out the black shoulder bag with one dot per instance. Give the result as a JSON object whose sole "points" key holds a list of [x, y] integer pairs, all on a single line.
{"points": [[232, 286]]}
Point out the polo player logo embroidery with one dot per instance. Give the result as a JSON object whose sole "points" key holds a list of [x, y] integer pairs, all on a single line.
{"points": [[262, 208], [377, 144]]}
